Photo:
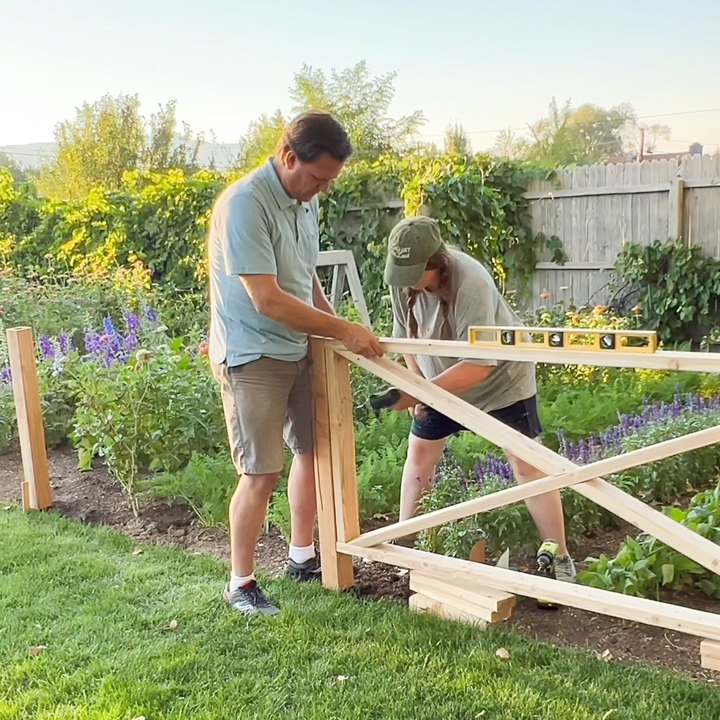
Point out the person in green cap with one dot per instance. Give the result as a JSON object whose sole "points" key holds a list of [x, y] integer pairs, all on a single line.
{"points": [[438, 292]]}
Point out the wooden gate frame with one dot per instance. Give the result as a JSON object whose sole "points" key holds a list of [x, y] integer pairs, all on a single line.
{"points": [[337, 500], [344, 268]]}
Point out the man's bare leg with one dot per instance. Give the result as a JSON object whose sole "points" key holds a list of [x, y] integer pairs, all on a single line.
{"points": [[301, 496], [248, 508]]}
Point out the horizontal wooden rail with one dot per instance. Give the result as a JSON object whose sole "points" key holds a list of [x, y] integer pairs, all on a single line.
{"points": [[701, 183], [605, 602], [660, 360], [593, 191], [571, 265], [518, 493]]}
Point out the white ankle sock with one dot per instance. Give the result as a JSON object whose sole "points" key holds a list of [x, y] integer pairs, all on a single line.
{"points": [[301, 554], [237, 581]]}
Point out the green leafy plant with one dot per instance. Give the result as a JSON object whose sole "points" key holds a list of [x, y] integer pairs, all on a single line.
{"points": [[206, 483], [678, 287], [150, 414], [480, 204], [8, 426], [641, 567], [664, 481], [644, 565], [508, 527]]}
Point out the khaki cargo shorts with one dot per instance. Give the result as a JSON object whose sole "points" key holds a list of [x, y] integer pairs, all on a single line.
{"points": [[265, 402]]}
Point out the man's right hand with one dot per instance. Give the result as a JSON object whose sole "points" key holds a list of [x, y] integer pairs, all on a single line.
{"points": [[358, 339]]}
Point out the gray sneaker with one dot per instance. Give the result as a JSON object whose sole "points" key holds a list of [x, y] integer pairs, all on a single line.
{"points": [[249, 600], [564, 568], [304, 572]]}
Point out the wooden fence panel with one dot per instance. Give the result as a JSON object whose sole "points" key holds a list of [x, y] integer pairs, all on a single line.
{"points": [[596, 209], [701, 224]]}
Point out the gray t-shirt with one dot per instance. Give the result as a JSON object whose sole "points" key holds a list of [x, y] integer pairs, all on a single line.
{"points": [[257, 229], [476, 302]]}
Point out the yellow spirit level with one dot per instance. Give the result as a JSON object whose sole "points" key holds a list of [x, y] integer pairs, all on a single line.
{"points": [[635, 341]]}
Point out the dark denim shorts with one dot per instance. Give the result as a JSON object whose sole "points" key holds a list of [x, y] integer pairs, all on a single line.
{"points": [[522, 416]]}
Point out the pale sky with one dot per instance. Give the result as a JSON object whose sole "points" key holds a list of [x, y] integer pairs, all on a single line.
{"points": [[487, 65]]}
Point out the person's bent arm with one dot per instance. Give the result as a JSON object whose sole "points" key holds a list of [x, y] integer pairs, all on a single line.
{"points": [[411, 363], [462, 376], [456, 380], [277, 305]]}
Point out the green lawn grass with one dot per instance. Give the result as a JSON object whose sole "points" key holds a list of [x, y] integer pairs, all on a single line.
{"points": [[104, 613]]}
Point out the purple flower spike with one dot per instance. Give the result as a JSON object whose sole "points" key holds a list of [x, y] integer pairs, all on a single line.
{"points": [[151, 316], [65, 343], [47, 349], [92, 342], [562, 442], [108, 326], [5, 375], [132, 322]]}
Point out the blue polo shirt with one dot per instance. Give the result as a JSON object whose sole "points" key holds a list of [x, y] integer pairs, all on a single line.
{"points": [[257, 229]]}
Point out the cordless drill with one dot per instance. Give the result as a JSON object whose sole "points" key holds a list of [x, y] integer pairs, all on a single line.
{"points": [[386, 400], [545, 559]]}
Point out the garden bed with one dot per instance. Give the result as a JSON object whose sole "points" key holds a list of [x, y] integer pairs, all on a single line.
{"points": [[94, 498]]}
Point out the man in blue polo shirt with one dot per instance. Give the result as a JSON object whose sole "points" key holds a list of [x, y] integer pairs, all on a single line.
{"points": [[265, 300]]}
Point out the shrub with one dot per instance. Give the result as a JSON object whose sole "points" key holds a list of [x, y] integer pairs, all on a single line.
{"points": [[148, 414], [206, 483]]}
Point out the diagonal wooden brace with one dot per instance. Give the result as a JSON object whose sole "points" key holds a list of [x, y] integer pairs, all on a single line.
{"points": [[599, 491], [539, 487]]}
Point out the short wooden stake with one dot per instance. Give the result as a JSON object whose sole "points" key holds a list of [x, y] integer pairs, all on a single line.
{"points": [[25, 490], [36, 491], [477, 552]]}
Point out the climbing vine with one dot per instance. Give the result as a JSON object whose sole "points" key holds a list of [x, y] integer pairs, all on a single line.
{"points": [[161, 220], [676, 288]]}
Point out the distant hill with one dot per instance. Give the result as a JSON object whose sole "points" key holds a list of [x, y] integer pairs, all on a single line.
{"points": [[31, 156]]}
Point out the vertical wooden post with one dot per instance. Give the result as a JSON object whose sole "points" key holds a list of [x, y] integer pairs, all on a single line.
{"points": [[338, 285], [675, 208], [357, 294], [337, 571], [342, 445], [36, 491]]}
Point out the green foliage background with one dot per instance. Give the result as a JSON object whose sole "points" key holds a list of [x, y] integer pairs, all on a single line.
{"points": [[161, 220]]}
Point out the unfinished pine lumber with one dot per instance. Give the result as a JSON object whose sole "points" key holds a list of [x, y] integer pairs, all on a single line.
{"points": [[710, 655], [423, 604], [485, 602]]}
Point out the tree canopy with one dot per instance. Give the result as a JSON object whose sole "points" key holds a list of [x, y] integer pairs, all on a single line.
{"points": [[107, 138]]}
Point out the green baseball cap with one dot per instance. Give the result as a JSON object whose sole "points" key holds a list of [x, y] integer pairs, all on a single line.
{"points": [[411, 244]]}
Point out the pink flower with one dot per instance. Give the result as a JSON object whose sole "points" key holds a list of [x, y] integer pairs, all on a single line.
{"points": [[544, 295]]}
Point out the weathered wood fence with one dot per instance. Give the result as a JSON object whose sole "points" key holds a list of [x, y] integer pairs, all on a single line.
{"points": [[595, 209]]}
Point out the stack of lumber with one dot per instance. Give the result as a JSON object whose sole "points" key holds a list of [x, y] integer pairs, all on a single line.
{"points": [[464, 600]]}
